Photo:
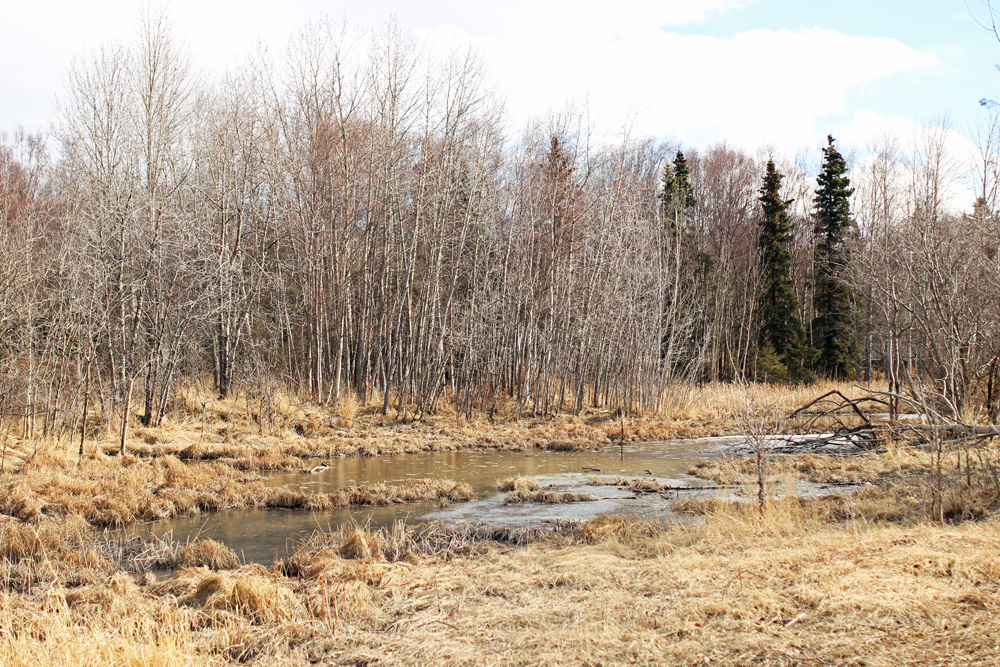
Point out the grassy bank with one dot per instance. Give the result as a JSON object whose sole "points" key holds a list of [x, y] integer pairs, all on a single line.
{"points": [[210, 454], [790, 589], [249, 436], [117, 492], [863, 579]]}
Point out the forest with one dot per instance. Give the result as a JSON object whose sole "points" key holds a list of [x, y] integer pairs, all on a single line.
{"points": [[353, 219], [699, 405]]}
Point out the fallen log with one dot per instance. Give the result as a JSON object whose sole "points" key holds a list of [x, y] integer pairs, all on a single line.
{"points": [[868, 435]]}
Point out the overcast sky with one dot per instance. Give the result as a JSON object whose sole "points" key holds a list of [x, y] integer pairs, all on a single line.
{"points": [[779, 73]]}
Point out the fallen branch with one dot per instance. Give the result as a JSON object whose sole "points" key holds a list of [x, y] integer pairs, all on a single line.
{"points": [[869, 435]]}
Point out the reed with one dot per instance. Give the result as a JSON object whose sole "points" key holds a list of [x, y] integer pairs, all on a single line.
{"points": [[735, 589], [546, 497], [833, 580]]}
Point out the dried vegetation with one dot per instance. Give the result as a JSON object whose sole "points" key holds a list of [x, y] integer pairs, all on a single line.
{"points": [[119, 491], [841, 580], [789, 589], [209, 454]]}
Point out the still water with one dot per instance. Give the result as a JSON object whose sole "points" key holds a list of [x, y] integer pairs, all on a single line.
{"points": [[263, 535]]}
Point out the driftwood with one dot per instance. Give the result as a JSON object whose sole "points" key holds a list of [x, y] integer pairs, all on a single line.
{"points": [[830, 413], [664, 487], [834, 407], [847, 425]]}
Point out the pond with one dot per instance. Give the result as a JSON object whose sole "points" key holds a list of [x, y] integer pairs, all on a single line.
{"points": [[264, 535]]}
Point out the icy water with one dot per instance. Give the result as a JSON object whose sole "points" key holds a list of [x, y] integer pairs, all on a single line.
{"points": [[264, 535]]}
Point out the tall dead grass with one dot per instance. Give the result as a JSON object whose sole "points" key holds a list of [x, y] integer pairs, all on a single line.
{"points": [[209, 453], [860, 579], [119, 491], [687, 410], [737, 589], [900, 485]]}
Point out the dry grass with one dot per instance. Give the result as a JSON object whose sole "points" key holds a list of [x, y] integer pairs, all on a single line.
{"points": [[863, 469], [848, 580], [899, 485], [635, 485], [547, 497], [277, 432], [208, 553], [526, 490], [723, 403], [209, 453], [735, 590], [119, 491], [521, 484]]}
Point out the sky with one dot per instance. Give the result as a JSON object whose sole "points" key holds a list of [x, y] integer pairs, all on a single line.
{"points": [[759, 74]]}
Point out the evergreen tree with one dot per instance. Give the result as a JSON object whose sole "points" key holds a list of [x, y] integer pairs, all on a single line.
{"points": [[833, 332], [682, 182], [678, 195], [667, 194], [782, 337], [677, 199]]}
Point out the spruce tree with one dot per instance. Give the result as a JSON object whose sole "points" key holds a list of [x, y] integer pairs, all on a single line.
{"points": [[677, 199], [682, 182], [667, 195], [783, 354], [678, 195], [832, 328]]}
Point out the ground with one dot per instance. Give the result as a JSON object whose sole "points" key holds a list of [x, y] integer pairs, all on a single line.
{"points": [[869, 578]]}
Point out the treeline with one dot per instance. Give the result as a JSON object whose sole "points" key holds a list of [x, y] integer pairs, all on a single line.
{"points": [[352, 219]]}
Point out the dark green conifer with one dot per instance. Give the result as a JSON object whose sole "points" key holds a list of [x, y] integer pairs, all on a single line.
{"points": [[782, 336], [667, 195], [678, 195], [832, 328], [682, 181]]}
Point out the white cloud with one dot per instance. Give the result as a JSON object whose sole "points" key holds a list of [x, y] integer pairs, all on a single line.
{"points": [[40, 39], [550, 17], [868, 129], [756, 87]]}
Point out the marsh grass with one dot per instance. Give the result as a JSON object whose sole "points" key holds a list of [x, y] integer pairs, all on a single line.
{"points": [[209, 453], [836, 580], [547, 497], [633, 484], [519, 484], [820, 469], [270, 429], [789, 588], [119, 491]]}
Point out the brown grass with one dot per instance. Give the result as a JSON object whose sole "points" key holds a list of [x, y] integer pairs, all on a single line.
{"points": [[852, 580], [636, 485], [863, 469], [175, 470], [526, 490], [280, 431], [900, 485], [546, 497], [120, 491], [518, 484], [208, 553], [735, 590]]}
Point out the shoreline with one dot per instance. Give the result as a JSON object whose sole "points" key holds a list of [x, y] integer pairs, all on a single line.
{"points": [[783, 583]]}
